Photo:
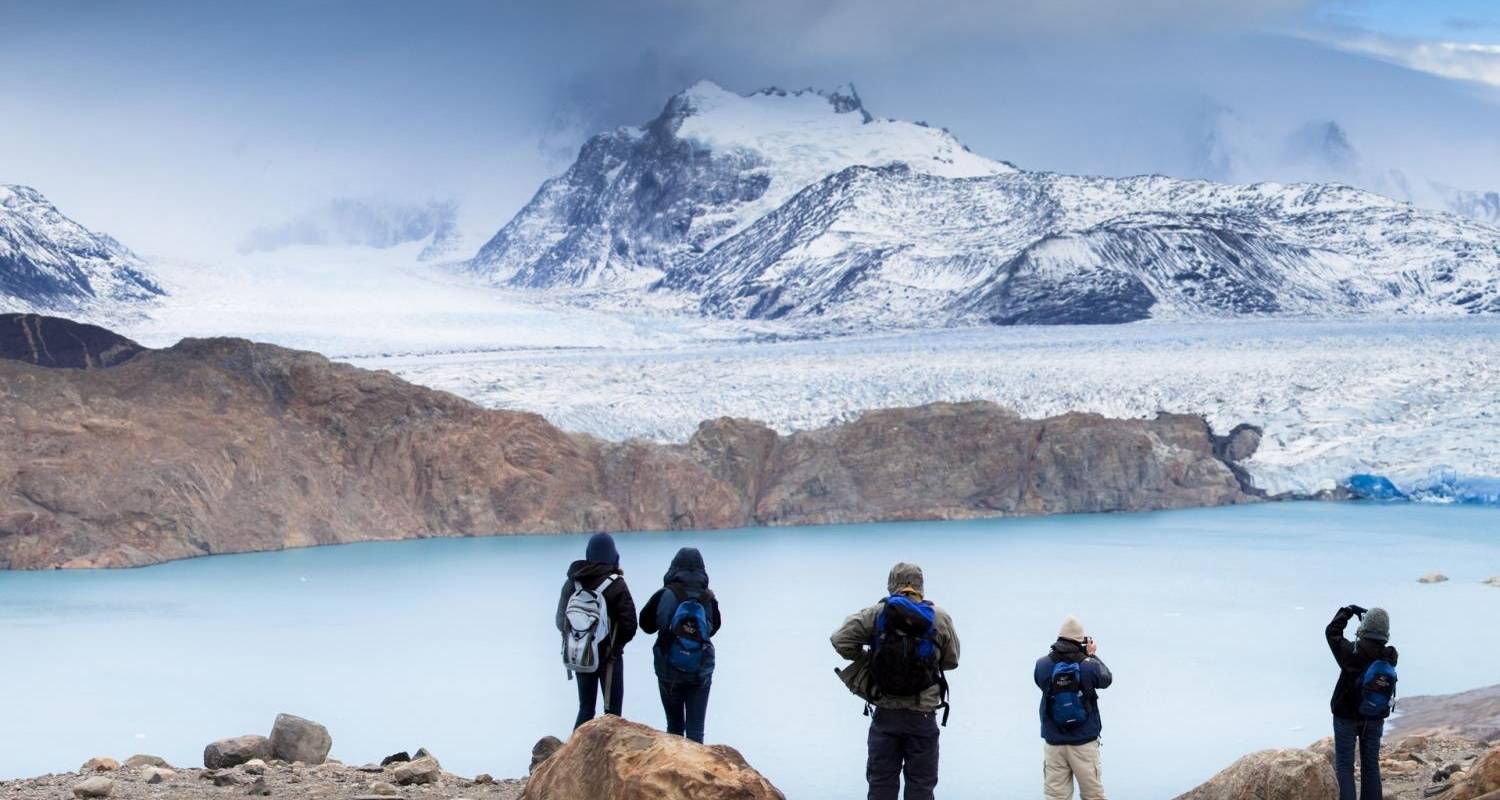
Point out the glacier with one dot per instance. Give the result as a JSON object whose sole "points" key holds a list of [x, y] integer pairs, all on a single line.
{"points": [[1396, 397]]}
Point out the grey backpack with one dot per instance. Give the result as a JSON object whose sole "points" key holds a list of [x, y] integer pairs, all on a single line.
{"points": [[585, 627]]}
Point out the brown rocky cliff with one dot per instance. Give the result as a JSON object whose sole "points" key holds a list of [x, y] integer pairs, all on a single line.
{"points": [[223, 445]]}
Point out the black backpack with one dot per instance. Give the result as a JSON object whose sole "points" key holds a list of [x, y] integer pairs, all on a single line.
{"points": [[904, 653]]}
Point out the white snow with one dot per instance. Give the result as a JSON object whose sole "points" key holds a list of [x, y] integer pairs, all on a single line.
{"points": [[799, 138], [345, 301], [1398, 398]]}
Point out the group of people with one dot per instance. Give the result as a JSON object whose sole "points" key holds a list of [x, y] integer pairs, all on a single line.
{"points": [[899, 650]]}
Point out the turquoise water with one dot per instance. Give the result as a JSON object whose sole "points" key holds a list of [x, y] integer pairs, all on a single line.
{"points": [[1211, 620]]}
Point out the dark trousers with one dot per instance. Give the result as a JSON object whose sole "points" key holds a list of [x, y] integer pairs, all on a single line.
{"points": [[612, 675], [1366, 734], [686, 705], [902, 741]]}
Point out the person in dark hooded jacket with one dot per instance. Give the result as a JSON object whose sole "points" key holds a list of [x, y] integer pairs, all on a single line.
{"points": [[601, 560], [1350, 728], [684, 685]]}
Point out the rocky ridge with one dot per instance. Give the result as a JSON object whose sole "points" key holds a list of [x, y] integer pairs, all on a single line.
{"points": [[224, 445]]}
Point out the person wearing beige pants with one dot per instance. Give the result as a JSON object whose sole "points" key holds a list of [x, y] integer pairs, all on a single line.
{"points": [[1071, 677], [1064, 763]]}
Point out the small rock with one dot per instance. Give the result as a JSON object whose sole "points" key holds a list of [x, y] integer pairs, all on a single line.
{"points": [[1415, 743], [369, 768], [146, 761], [383, 789], [254, 766], [157, 774], [100, 764], [423, 770], [97, 786], [396, 758], [1433, 577], [235, 751], [225, 778], [543, 750], [484, 779], [296, 739], [259, 788], [422, 753]]}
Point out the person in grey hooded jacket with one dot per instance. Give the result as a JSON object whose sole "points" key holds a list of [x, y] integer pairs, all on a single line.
{"points": [[903, 735]]}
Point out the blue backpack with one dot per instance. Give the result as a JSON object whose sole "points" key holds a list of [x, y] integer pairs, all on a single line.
{"points": [[904, 652], [1065, 701], [690, 653], [1377, 690]]}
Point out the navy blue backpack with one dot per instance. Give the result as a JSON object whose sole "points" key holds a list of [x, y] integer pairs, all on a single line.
{"points": [[690, 653], [1377, 690], [1065, 701]]}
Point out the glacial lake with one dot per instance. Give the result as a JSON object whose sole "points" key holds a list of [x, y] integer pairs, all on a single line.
{"points": [[1212, 621]]}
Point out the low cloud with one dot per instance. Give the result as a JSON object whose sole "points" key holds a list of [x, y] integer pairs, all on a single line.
{"points": [[1465, 61]]}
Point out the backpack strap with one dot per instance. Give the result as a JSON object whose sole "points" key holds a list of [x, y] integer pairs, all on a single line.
{"points": [[604, 584], [943, 689]]}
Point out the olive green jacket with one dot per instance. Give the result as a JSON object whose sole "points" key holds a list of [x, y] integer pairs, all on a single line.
{"points": [[852, 640]]}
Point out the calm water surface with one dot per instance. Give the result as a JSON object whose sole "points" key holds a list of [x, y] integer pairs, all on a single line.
{"points": [[448, 644]]}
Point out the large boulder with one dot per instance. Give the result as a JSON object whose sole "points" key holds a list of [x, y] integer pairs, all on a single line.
{"points": [[1481, 780], [422, 770], [145, 760], [621, 760], [1272, 775], [296, 739], [93, 788], [544, 748], [236, 750]]}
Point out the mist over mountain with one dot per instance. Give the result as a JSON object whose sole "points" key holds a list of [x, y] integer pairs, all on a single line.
{"points": [[365, 223]]}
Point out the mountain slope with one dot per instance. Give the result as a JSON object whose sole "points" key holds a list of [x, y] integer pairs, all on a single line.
{"points": [[50, 262], [640, 201], [892, 247], [896, 225]]}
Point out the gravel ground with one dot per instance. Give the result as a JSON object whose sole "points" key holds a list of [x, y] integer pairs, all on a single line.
{"points": [[291, 781]]}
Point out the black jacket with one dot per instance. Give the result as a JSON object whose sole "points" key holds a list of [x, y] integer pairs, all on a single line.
{"points": [[1354, 658], [686, 576], [617, 601]]}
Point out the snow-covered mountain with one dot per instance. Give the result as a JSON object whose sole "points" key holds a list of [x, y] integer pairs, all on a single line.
{"points": [[346, 221], [802, 207], [639, 202], [51, 263]]}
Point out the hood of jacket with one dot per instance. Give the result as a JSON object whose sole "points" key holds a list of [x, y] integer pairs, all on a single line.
{"points": [[903, 576], [1068, 650], [591, 573], [687, 569]]}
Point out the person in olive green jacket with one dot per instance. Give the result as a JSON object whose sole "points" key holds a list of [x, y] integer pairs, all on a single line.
{"points": [[918, 644]]}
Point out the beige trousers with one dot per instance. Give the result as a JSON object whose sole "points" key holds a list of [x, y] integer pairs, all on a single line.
{"points": [[1064, 763]]}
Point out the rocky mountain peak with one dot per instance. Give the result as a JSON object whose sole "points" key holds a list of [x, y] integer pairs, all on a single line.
{"points": [[50, 262]]}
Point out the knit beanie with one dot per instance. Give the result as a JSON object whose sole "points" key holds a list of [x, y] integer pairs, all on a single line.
{"points": [[904, 576], [1072, 629], [601, 550], [1376, 626]]}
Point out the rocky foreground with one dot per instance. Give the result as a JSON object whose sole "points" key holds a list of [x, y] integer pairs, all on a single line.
{"points": [[1445, 746], [607, 759], [123, 456]]}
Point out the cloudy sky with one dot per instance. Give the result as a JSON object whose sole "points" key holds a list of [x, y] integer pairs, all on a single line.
{"points": [[181, 126]]}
